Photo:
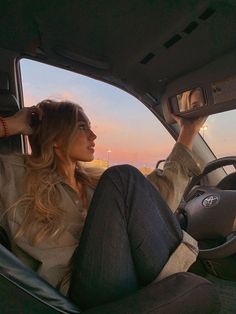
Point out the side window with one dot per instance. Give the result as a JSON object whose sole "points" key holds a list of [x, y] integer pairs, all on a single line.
{"points": [[127, 132]]}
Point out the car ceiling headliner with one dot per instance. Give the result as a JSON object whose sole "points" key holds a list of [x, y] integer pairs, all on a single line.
{"points": [[138, 45]]}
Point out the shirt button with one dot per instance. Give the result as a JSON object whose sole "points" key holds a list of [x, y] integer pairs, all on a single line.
{"points": [[76, 201]]}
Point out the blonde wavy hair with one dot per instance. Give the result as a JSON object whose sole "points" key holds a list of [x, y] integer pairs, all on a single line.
{"points": [[43, 216]]}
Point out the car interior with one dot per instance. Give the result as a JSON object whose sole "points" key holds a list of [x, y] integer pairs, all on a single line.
{"points": [[159, 52]]}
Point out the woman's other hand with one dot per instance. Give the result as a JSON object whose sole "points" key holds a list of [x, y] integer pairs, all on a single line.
{"points": [[23, 121]]}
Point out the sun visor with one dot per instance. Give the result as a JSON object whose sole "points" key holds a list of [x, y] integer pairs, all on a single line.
{"points": [[209, 90]]}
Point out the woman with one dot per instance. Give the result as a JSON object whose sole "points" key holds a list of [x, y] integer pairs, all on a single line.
{"points": [[130, 236]]}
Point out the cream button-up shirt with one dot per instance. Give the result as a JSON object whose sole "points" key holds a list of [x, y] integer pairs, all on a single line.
{"points": [[51, 258]]}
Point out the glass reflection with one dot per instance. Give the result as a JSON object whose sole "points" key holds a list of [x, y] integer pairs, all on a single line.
{"points": [[191, 99]]}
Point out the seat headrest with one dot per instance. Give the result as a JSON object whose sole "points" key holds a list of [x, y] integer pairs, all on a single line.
{"points": [[8, 102], [4, 82]]}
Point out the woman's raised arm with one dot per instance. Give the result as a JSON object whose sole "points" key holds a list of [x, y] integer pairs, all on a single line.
{"points": [[188, 129], [180, 165]]}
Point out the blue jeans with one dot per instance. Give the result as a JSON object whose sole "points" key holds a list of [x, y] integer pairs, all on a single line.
{"points": [[129, 234]]}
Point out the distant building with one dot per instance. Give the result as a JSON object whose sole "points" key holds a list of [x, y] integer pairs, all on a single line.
{"points": [[104, 164]]}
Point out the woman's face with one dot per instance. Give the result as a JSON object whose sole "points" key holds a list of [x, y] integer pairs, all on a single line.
{"points": [[82, 146], [196, 99]]}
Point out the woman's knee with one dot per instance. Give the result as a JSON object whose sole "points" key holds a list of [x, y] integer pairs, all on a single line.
{"points": [[120, 176], [124, 176], [121, 171]]}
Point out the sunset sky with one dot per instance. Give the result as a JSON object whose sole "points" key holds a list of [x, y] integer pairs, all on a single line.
{"points": [[121, 122]]}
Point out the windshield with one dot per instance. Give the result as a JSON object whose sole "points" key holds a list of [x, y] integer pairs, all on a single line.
{"points": [[219, 132]]}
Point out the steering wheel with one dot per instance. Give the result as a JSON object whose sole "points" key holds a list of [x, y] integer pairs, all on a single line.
{"points": [[211, 211]]}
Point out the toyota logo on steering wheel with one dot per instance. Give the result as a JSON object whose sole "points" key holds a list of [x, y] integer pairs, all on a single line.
{"points": [[211, 201]]}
